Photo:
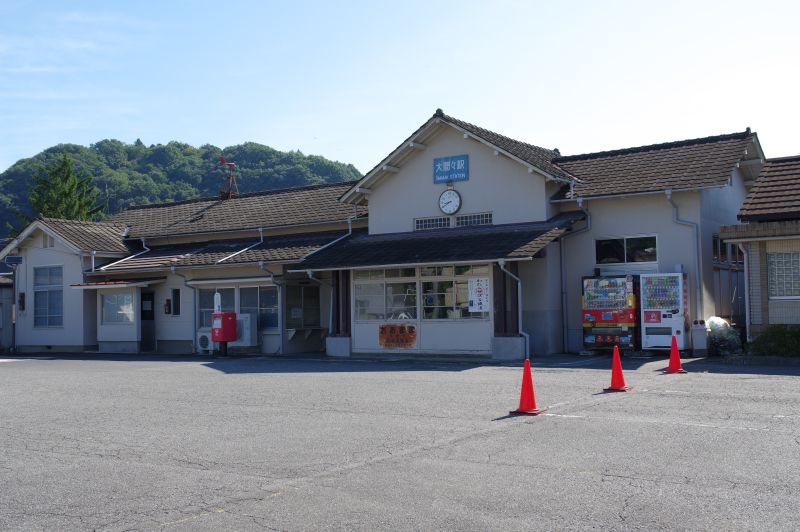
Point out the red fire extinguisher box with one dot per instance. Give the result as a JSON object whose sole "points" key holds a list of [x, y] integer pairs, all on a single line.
{"points": [[223, 327]]}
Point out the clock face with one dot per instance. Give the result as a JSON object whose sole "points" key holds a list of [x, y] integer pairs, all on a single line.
{"points": [[450, 201]]}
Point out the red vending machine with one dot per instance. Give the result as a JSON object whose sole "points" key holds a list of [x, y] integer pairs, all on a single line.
{"points": [[610, 312]]}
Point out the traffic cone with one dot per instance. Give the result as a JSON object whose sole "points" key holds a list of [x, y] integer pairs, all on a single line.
{"points": [[674, 358], [617, 378], [527, 398]]}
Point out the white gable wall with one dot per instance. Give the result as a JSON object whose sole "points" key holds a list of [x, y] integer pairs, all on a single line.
{"points": [[71, 335], [496, 184]]}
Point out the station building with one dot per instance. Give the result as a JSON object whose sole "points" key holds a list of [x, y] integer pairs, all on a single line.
{"points": [[460, 241]]}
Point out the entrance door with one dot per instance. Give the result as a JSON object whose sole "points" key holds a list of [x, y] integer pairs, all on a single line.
{"points": [[148, 322]]}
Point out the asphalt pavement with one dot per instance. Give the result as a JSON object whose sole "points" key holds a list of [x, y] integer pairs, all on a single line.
{"points": [[154, 443]]}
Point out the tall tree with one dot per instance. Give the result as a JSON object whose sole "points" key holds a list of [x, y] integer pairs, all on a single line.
{"points": [[57, 191]]}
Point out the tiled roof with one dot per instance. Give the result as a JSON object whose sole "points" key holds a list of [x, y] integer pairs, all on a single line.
{"points": [[274, 208], [490, 243], [89, 236], [776, 192], [682, 165], [283, 248], [541, 158], [761, 231]]}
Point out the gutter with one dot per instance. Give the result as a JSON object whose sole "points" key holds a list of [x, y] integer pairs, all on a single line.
{"points": [[502, 265], [146, 249], [698, 259], [251, 246], [746, 291], [194, 307], [563, 253], [648, 193]]}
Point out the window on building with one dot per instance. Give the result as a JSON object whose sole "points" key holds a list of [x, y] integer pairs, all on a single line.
{"points": [[386, 294], [626, 250], [206, 303], [117, 308], [715, 242], [484, 218], [261, 303], [48, 241], [784, 274], [445, 291], [302, 307], [436, 222], [176, 301], [48, 297]]}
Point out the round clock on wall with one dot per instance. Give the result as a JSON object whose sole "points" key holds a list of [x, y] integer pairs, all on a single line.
{"points": [[450, 201]]}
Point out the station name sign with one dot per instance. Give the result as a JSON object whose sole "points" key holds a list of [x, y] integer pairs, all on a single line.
{"points": [[452, 168], [13, 259]]}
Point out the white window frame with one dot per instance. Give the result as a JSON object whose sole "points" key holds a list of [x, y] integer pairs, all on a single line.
{"points": [[304, 326], [48, 289], [383, 281], [419, 280], [769, 280], [132, 319], [258, 309], [625, 246]]}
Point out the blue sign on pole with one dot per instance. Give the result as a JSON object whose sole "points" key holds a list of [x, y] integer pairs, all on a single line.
{"points": [[13, 259], [449, 169]]}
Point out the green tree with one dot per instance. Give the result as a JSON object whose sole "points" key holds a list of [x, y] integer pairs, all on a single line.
{"points": [[57, 191]]}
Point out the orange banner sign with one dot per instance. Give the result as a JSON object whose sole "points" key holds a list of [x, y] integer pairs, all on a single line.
{"points": [[397, 335]]}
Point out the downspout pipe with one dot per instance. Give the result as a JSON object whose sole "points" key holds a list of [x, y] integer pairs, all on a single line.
{"points": [[281, 306], [251, 246], [563, 252], [323, 283], [746, 291], [697, 259], [502, 265], [194, 307]]}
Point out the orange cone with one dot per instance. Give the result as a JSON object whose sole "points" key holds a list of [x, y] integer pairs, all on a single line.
{"points": [[527, 398], [674, 358], [617, 379]]}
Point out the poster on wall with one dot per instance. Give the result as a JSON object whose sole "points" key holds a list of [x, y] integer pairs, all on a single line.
{"points": [[479, 294], [397, 335]]}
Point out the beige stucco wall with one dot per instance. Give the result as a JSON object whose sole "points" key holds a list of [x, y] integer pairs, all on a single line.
{"points": [[496, 184], [631, 216]]}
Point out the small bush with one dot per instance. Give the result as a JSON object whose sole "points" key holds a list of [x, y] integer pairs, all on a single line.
{"points": [[777, 340]]}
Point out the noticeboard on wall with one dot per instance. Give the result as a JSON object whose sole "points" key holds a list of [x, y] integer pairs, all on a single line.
{"points": [[397, 335], [450, 169]]}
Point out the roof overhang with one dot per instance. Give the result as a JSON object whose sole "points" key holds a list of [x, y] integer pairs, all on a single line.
{"points": [[116, 284], [417, 264]]}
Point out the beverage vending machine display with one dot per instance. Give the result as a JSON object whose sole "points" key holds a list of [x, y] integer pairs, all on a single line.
{"points": [[610, 312], [663, 305]]}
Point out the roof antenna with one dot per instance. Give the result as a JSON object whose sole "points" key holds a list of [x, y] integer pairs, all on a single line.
{"points": [[232, 189]]}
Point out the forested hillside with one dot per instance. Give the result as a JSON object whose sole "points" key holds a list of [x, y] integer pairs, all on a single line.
{"points": [[133, 174]]}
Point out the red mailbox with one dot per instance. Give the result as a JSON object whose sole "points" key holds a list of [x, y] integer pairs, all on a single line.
{"points": [[223, 326]]}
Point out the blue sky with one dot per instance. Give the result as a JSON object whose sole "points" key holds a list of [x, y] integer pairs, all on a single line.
{"points": [[350, 80]]}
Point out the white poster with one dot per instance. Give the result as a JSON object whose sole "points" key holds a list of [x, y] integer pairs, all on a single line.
{"points": [[479, 294]]}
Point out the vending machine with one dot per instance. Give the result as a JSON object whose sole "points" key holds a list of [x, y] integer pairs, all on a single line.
{"points": [[664, 300], [610, 312]]}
